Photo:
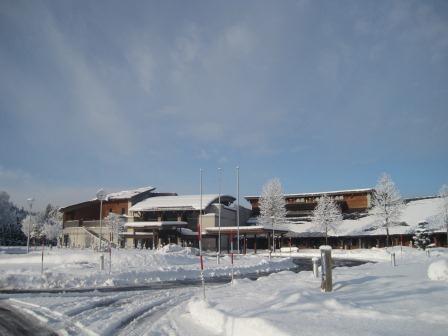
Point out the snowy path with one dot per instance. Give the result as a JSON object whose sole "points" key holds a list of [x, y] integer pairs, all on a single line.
{"points": [[122, 313]]}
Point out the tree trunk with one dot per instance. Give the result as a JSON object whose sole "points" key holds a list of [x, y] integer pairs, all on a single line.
{"points": [[326, 236]]}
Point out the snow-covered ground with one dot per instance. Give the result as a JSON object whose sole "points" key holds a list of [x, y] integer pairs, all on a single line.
{"points": [[75, 268], [371, 299]]}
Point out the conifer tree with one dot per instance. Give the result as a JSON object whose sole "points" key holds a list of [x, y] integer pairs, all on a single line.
{"points": [[421, 238]]}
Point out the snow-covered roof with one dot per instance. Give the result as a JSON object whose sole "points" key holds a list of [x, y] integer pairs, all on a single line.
{"points": [[184, 202], [126, 194], [155, 224], [333, 192], [413, 213]]}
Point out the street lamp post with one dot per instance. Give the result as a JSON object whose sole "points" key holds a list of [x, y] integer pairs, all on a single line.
{"points": [[30, 203], [219, 215], [200, 236], [238, 206], [101, 195], [273, 234]]}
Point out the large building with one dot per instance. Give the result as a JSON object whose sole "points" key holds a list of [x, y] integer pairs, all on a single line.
{"points": [[176, 219], [151, 219], [81, 221], [300, 206]]}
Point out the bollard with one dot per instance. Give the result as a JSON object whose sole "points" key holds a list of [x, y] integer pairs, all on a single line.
{"points": [[327, 277], [392, 259], [102, 262], [315, 267]]}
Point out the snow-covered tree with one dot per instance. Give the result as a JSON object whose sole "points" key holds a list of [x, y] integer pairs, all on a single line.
{"points": [[422, 233], [272, 203], [387, 203], [52, 227], [10, 218], [116, 225], [326, 216], [443, 193], [28, 224], [272, 206]]}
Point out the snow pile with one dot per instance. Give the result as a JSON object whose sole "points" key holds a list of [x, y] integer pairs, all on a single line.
{"points": [[77, 268], [218, 322], [171, 248], [438, 270]]}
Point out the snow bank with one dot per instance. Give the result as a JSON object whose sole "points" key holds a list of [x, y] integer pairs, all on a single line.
{"points": [[220, 323], [438, 270], [77, 268]]}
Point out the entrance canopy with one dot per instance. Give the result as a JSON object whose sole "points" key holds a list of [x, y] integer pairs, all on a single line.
{"points": [[258, 229]]}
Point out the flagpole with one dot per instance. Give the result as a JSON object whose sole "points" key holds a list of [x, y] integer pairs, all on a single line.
{"points": [[238, 206]]}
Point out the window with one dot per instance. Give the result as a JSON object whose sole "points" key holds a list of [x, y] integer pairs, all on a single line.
{"points": [[123, 211], [110, 210]]}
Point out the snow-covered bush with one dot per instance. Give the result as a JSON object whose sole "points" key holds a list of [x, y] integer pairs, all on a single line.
{"points": [[438, 270]]}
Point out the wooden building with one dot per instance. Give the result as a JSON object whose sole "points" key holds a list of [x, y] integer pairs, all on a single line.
{"points": [[303, 204], [81, 221]]}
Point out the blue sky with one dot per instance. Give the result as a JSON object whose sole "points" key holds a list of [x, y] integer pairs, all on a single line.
{"points": [[324, 95]]}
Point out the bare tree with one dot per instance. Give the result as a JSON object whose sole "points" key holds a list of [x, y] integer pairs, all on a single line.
{"points": [[443, 193], [327, 215], [387, 203]]}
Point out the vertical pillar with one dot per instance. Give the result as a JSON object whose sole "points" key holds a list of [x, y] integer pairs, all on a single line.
{"points": [[269, 240], [327, 276], [153, 239], [255, 244], [245, 243]]}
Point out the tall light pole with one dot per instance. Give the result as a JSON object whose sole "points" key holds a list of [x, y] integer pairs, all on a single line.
{"points": [[273, 234], [30, 203], [238, 206], [200, 234], [101, 195], [219, 215]]}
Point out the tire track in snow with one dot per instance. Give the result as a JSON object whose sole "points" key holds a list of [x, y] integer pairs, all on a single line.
{"points": [[63, 324], [139, 325]]}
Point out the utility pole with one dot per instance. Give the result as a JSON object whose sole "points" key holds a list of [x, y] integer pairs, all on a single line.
{"points": [[30, 203], [219, 216], [101, 195], [200, 235], [238, 206]]}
